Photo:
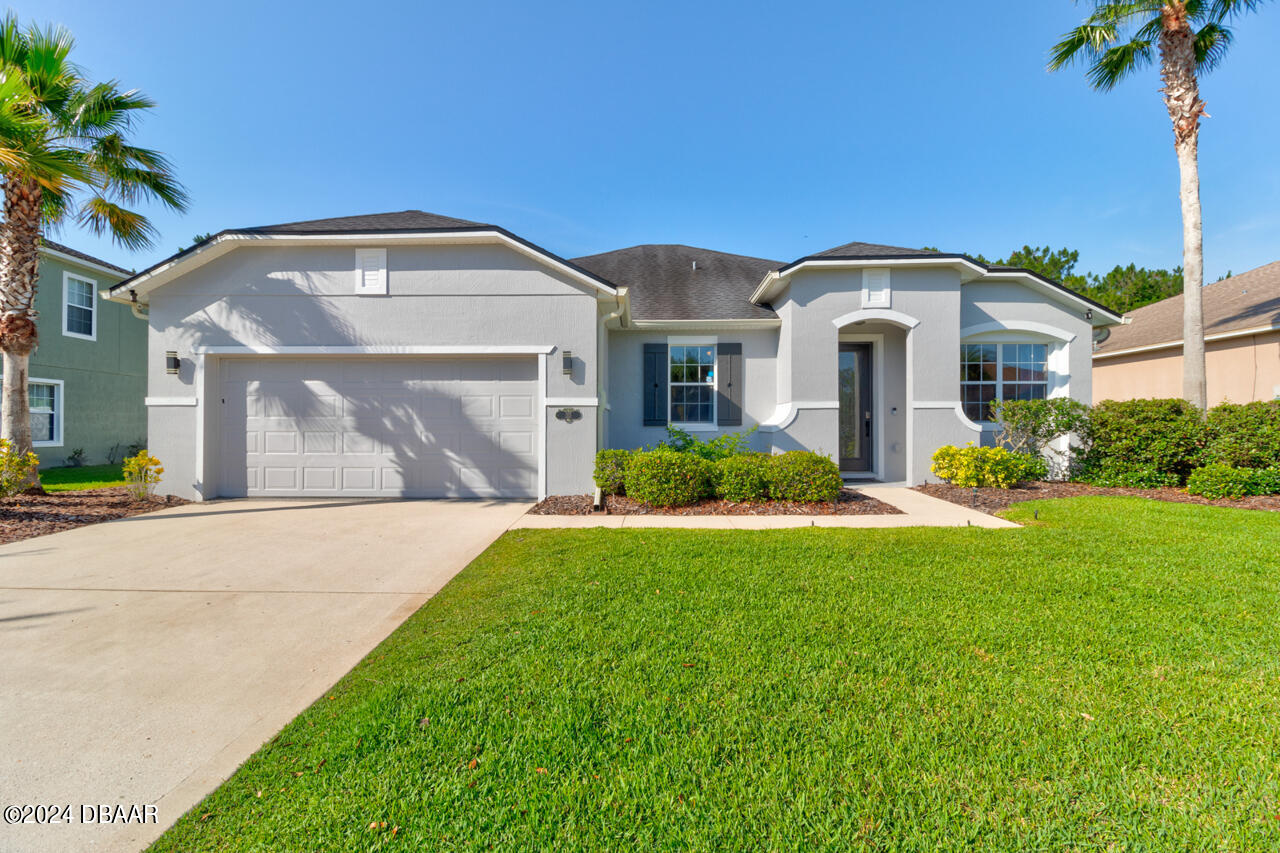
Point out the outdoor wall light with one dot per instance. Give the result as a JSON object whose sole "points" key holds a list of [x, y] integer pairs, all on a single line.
{"points": [[1088, 315], [566, 363], [171, 362]]}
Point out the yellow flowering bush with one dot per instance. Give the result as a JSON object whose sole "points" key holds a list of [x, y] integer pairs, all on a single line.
{"points": [[973, 467], [142, 473], [16, 469]]}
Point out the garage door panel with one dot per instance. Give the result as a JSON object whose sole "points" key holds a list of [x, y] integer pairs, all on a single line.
{"points": [[415, 427]]}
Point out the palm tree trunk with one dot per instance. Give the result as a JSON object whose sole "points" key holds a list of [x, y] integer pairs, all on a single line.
{"points": [[1182, 98], [19, 259]]}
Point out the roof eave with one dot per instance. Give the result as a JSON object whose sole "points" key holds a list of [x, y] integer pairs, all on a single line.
{"points": [[83, 262]]}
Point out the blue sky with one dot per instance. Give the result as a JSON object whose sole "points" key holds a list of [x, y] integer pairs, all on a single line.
{"points": [[765, 129]]}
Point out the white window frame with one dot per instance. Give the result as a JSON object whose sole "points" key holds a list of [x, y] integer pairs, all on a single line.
{"points": [[877, 290], [1000, 380], [695, 341], [67, 276], [377, 259], [59, 407]]}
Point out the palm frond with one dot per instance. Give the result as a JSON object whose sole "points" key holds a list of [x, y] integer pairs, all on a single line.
{"points": [[1118, 62], [103, 108], [1118, 13], [13, 42], [127, 227], [1212, 41], [48, 68], [1223, 10], [55, 207], [1087, 40], [123, 177]]}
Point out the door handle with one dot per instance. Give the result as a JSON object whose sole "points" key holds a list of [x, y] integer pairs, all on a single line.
{"points": [[867, 429]]}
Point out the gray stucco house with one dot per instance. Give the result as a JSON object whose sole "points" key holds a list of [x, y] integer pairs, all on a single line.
{"points": [[410, 354]]}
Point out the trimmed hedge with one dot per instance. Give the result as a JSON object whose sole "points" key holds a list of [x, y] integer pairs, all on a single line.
{"points": [[665, 477], [611, 471], [1243, 435], [744, 477], [804, 477], [1224, 481], [986, 467], [1161, 439]]}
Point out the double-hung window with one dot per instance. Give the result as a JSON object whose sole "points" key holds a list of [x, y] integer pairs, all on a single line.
{"points": [[79, 307], [45, 402], [990, 372], [692, 383]]}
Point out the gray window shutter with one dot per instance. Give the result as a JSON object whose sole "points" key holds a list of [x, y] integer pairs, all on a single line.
{"points": [[729, 384], [655, 385]]}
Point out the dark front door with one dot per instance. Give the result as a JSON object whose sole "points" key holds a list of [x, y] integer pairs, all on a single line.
{"points": [[855, 407]]}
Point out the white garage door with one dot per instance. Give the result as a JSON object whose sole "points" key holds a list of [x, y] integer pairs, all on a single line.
{"points": [[402, 427]]}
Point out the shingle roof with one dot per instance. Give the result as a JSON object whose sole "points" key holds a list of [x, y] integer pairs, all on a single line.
{"points": [[674, 282], [1240, 302], [403, 220], [871, 250], [67, 250]]}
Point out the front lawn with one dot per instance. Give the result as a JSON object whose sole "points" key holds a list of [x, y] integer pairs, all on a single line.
{"points": [[83, 477], [1107, 677]]}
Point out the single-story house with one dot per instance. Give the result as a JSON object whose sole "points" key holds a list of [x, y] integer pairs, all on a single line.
{"points": [[88, 372], [1143, 358], [410, 354]]}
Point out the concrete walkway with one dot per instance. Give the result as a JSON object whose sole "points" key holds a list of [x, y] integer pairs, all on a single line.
{"points": [[145, 659], [918, 510]]}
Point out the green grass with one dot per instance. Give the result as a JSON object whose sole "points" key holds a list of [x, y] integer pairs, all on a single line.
{"points": [[1107, 678], [84, 477]]}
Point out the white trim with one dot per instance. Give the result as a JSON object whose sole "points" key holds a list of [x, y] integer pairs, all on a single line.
{"points": [[955, 405], [170, 401], [1220, 336], [67, 275], [877, 400], [59, 410], [464, 349], [89, 265], [201, 386], [542, 425], [167, 271], [561, 402], [713, 325], [1017, 326], [867, 315], [880, 297], [785, 413]]}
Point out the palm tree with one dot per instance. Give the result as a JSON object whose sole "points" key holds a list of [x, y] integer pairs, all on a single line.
{"points": [[1192, 37], [65, 155]]}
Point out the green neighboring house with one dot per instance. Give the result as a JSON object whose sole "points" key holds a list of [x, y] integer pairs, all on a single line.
{"points": [[88, 376]]}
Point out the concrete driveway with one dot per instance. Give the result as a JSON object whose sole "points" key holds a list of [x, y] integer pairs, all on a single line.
{"points": [[142, 660]]}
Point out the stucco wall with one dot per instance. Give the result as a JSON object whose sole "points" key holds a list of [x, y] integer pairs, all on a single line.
{"points": [[103, 380], [437, 295], [1237, 371], [626, 375]]}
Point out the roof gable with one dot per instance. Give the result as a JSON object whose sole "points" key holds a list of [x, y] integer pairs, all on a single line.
{"points": [[404, 220]]}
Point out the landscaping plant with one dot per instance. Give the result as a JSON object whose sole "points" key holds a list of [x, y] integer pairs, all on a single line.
{"points": [[1244, 435], [1030, 426], [804, 477], [142, 472], [744, 477], [17, 469], [1163, 438], [712, 450], [611, 471], [1223, 481], [989, 467], [665, 477]]}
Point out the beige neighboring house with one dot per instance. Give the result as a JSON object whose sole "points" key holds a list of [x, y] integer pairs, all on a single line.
{"points": [[1242, 344]]}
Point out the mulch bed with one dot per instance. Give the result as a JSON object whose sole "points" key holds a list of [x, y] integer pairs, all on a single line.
{"points": [[27, 516], [992, 501], [849, 503]]}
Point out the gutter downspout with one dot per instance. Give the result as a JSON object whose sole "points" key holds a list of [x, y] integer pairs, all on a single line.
{"points": [[136, 308], [602, 391]]}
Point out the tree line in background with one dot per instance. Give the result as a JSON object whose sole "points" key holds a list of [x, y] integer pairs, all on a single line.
{"points": [[1122, 289]]}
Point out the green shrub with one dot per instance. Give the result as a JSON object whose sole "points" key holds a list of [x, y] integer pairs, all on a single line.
{"points": [[1163, 438], [1120, 475], [713, 450], [664, 477], [611, 471], [1244, 436], [986, 467], [17, 470], [1224, 481], [744, 477], [1030, 426], [804, 477]]}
